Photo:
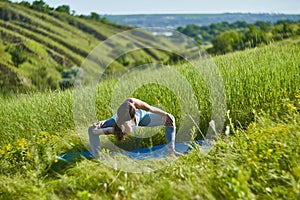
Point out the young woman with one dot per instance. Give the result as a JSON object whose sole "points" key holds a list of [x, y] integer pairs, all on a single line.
{"points": [[132, 113]]}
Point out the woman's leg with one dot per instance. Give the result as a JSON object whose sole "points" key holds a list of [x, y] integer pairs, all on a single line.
{"points": [[94, 138], [152, 119], [94, 142]]}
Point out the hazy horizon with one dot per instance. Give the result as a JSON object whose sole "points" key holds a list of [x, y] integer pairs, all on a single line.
{"points": [[207, 13], [135, 7]]}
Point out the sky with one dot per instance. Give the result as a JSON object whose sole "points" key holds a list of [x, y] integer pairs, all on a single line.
{"points": [[108, 7]]}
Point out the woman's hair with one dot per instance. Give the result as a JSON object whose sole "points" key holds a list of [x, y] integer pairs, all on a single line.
{"points": [[125, 112], [118, 132]]}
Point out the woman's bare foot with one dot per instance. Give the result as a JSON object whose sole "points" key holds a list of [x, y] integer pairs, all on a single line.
{"points": [[173, 152]]}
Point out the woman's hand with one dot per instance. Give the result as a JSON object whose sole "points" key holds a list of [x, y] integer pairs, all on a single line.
{"points": [[98, 125]]}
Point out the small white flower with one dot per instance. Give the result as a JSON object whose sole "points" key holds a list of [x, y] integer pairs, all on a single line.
{"points": [[227, 132], [121, 188]]}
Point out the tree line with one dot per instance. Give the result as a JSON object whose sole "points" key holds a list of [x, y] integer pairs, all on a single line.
{"points": [[225, 37], [40, 5]]}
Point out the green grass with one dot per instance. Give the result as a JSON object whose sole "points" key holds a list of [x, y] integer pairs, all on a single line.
{"points": [[260, 79], [259, 160], [259, 163]]}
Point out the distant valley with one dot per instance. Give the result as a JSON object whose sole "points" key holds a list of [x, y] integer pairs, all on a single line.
{"points": [[173, 21]]}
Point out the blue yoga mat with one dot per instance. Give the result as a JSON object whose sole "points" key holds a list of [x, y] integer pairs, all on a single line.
{"points": [[158, 152]]}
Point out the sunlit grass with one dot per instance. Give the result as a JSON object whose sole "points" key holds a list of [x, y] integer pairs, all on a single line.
{"points": [[260, 161]]}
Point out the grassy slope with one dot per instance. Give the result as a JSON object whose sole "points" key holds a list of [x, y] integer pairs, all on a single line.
{"points": [[261, 79], [259, 162], [53, 41]]}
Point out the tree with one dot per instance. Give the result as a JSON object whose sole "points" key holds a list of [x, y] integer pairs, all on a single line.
{"points": [[264, 26], [287, 29], [40, 5], [226, 42], [95, 16], [104, 20], [191, 30], [298, 30], [25, 4], [63, 9], [239, 25], [254, 37]]}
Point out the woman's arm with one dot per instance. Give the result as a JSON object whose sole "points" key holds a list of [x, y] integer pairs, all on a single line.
{"points": [[167, 118], [145, 106]]}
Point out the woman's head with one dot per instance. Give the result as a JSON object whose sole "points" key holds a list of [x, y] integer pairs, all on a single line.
{"points": [[126, 112]]}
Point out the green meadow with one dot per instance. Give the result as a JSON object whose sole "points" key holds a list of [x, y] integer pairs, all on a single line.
{"points": [[259, 159]]}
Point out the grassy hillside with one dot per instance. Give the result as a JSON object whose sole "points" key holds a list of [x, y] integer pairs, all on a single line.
{"points": [[35, 47], [258, 160]]}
